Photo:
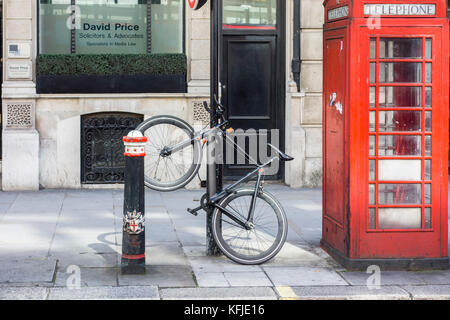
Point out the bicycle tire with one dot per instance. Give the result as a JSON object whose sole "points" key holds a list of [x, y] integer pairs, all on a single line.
{"points": [[192, 168], [218, 221]]}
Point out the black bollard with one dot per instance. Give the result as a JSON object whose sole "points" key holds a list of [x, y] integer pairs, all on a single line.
{"points": [[211, 189], [133, 241], [214, 184]]}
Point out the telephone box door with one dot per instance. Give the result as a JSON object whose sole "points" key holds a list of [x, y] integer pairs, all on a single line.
{"points": [[405, 165], [334, 166]]}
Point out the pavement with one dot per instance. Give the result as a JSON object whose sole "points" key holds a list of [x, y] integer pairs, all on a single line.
{"points": [[66, 244]]}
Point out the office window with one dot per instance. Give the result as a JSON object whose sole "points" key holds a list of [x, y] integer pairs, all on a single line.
{"points": [[110, 26]]}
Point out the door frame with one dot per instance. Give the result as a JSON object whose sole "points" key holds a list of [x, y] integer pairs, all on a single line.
{"points": [[281, 59]]}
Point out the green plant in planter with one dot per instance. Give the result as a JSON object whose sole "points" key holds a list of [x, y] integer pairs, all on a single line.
{"points": [[111, 64]]}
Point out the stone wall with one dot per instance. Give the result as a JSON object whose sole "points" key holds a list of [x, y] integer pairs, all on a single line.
{"points": [[20, 158], [304, 108], [58, 121], [312, 19], [197, 48]]}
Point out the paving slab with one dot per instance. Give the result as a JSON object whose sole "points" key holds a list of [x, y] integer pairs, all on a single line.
{"points": [[284, 193], [342, 293], [304, 276], [430, 292], [386, 278], [4, 206], [161, 276], [87, 204], [30, 217], [86, 193], [50, 196], [194, 251], [219, 264], [248, 279], [24, 234], [84, 225], [160, 232], [105, 293], [152, 198], [89, 277], [298, 254], [245, 293], [211, 280], [8, 197], [435, 276], [165, 254], [191, 235], [69, 238], [304, 206], [21, 253], [85, 257], [22, 293], [26, 270], [36, 206]]}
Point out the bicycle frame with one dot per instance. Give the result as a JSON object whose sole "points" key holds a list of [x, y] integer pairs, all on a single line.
{"points": [[247, 224]]}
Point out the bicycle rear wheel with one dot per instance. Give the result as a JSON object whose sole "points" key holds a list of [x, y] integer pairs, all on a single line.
{"points": [[259, 244], [168, 172]]}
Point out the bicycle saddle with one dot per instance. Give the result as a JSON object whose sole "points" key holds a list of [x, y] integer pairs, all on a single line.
{"points": [[283, 156]]}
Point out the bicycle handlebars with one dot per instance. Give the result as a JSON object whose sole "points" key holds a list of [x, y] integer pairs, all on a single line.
{"points": [[221, 108]]}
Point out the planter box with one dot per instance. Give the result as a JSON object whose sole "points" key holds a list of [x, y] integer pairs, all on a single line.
{"points": [[111, 84]]}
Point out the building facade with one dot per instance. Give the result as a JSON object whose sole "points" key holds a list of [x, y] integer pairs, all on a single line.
{"points": [[59, 94]]}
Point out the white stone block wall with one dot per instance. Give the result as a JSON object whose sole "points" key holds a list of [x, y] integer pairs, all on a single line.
{"points": [[312, 19], [197, 49], [20, 139], [304, 106]]}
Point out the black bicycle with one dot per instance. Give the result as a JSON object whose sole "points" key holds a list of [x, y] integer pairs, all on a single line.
{"points": [[249, 224]]}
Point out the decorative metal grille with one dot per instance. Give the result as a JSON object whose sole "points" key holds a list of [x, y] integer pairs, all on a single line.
{"points": [[19, 115], [102, 160], [200, 114]]}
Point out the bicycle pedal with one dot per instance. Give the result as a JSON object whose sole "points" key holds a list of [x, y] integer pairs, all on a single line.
{"points": [[193, 211]]}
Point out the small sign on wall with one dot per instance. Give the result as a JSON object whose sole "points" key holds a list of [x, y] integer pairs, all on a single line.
{"points": [[19, 70], [19, 50]]}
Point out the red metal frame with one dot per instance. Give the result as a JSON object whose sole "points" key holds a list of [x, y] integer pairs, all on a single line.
{"points": [[353, 237], [247, 27]]}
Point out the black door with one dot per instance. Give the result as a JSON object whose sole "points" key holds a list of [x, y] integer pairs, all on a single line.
{"points": [[253, 78]]}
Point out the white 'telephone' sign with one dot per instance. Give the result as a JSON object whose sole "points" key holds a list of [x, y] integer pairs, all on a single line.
{"points": [[386, 9]]}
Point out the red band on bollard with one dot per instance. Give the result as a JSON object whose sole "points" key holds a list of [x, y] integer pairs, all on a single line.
{"points": [[134, 146], [135, 139], [133, 256], [134, 155]]}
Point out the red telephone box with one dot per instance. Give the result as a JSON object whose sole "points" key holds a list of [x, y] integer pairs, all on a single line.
{"points": [[385, 131]]}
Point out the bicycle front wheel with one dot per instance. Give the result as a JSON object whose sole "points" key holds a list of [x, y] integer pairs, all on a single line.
{"points": [[165, 171], [263, 241]]}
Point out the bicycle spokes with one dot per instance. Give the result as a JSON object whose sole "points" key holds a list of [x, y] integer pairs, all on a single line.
{"points": [[166, 167], [257, 239]]}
